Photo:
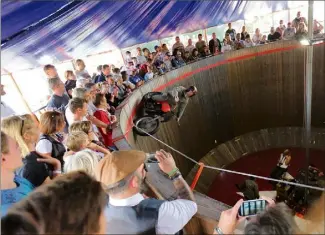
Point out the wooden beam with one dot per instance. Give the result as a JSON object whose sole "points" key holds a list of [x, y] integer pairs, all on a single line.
{"points": [[22, 97]]}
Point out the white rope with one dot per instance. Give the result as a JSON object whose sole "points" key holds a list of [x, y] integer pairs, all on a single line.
{"points": [[230, 171]]}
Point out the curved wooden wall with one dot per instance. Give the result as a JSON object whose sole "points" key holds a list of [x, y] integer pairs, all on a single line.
{"points": [[230, 151], [239, 92]]}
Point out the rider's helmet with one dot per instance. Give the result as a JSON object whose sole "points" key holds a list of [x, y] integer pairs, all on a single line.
{"points": [[191, 91]]}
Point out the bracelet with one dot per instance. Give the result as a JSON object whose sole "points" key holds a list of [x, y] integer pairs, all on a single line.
{"points": [[170, 174], [219, 231], [175, 176], [57, 172]]}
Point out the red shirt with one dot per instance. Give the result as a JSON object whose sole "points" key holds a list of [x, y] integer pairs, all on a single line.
{"points": [[102, 115]]}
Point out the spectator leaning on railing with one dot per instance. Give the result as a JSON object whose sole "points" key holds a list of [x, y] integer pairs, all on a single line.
{"points": [[214, 44], [289, 33]]}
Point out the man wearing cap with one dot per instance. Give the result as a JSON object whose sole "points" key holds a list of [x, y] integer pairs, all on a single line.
{"points": [[128, 212]]}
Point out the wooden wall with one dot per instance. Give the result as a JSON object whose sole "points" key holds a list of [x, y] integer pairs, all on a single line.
{"points": [[239, 92]]}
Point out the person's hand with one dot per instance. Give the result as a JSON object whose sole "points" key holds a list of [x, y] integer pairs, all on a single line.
{"points": [[228, 219], [92, 146], [166, 161], [50, 160], [113, 118], [270, 201]]}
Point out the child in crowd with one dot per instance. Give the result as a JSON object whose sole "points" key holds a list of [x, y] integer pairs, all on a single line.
{"points": [[263, 41], [248, 41], [149, 75], [167, 65], [78, 141], [102, 115], [86, 127], [70, 82], [50, 143]]}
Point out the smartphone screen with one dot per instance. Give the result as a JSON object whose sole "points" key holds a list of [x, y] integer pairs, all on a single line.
{"points": [[252, 207]]}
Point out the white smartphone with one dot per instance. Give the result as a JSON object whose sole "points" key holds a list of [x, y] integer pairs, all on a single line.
{"points": [[252, 207]]}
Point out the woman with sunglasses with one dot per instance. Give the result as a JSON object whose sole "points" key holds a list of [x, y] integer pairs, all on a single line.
{"points": [[37, 167]]}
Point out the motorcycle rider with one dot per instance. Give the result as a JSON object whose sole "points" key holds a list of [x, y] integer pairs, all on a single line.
{"points": [[177, 97]]}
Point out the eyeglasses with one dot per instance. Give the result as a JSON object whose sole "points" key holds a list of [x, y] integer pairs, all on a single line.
{"points": [[22, 125]]}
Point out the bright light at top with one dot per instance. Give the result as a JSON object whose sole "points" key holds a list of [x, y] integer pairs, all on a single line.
{"points": [[304, 42], [45, 59]]}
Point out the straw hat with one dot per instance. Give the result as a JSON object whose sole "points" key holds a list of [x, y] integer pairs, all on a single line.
{"points": [[122, 163]]}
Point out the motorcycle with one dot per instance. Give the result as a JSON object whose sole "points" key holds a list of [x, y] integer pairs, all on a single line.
{"points": [[150, 115]]}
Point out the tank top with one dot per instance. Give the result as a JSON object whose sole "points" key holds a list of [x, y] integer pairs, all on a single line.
{"points": [[281, 162]]}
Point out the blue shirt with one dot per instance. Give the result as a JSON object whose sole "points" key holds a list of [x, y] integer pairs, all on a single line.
{"points": [[135, 79], [58, 103], [11, 196], [148, 76]]}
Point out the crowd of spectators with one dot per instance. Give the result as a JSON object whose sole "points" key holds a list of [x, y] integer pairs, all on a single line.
{"points": [[57, 175]]}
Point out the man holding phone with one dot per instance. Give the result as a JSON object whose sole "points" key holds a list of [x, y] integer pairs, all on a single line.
{"points": [[277, 219]]}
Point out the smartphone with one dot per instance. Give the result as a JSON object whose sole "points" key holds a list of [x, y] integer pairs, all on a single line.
{"points": [[252, 207]]}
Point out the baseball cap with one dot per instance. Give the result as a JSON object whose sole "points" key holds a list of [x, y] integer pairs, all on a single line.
{"points": [[121, 164]]}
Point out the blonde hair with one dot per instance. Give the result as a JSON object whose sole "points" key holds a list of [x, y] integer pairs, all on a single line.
{"points": [[16, 127], [76, 140], [84, 126], [80, 62], [85, 160]]}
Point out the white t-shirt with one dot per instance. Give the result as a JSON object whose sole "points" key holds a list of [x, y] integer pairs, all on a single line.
{"points": [[248, 44], [44, 146], [141, 59], [6, 111], [82, 74], [69, 117], [91, 108], [70, 120], [226, 48], [257, 38], [282, 162], [189, 48]]}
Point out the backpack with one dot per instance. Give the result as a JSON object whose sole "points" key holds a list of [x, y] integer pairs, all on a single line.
{"points": [[58, 149]]}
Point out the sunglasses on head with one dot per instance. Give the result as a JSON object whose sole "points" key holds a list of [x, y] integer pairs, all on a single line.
{"points": [[22, 125]]}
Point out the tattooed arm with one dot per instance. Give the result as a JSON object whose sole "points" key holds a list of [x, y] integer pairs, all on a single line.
{"points": [[168, 166], [184, 191]]}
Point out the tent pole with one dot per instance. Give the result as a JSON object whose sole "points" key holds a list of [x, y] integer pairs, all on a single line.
{"points": [[22, 97], [308, 89]]}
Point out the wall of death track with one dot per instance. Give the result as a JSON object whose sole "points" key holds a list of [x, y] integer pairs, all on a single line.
{"points": [[239, 92]]}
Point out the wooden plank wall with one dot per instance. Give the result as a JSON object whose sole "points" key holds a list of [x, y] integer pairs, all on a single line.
{"points": [[230, 151], [250, 89]]}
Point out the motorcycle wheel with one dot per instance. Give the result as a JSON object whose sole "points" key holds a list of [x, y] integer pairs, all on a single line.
{"points": [[148, 124]]}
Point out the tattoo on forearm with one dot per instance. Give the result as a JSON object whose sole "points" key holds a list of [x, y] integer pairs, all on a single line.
{"points": [[184, 191]]}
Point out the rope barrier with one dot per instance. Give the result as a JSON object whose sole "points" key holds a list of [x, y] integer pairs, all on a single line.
{"points": [[229, 171]]}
